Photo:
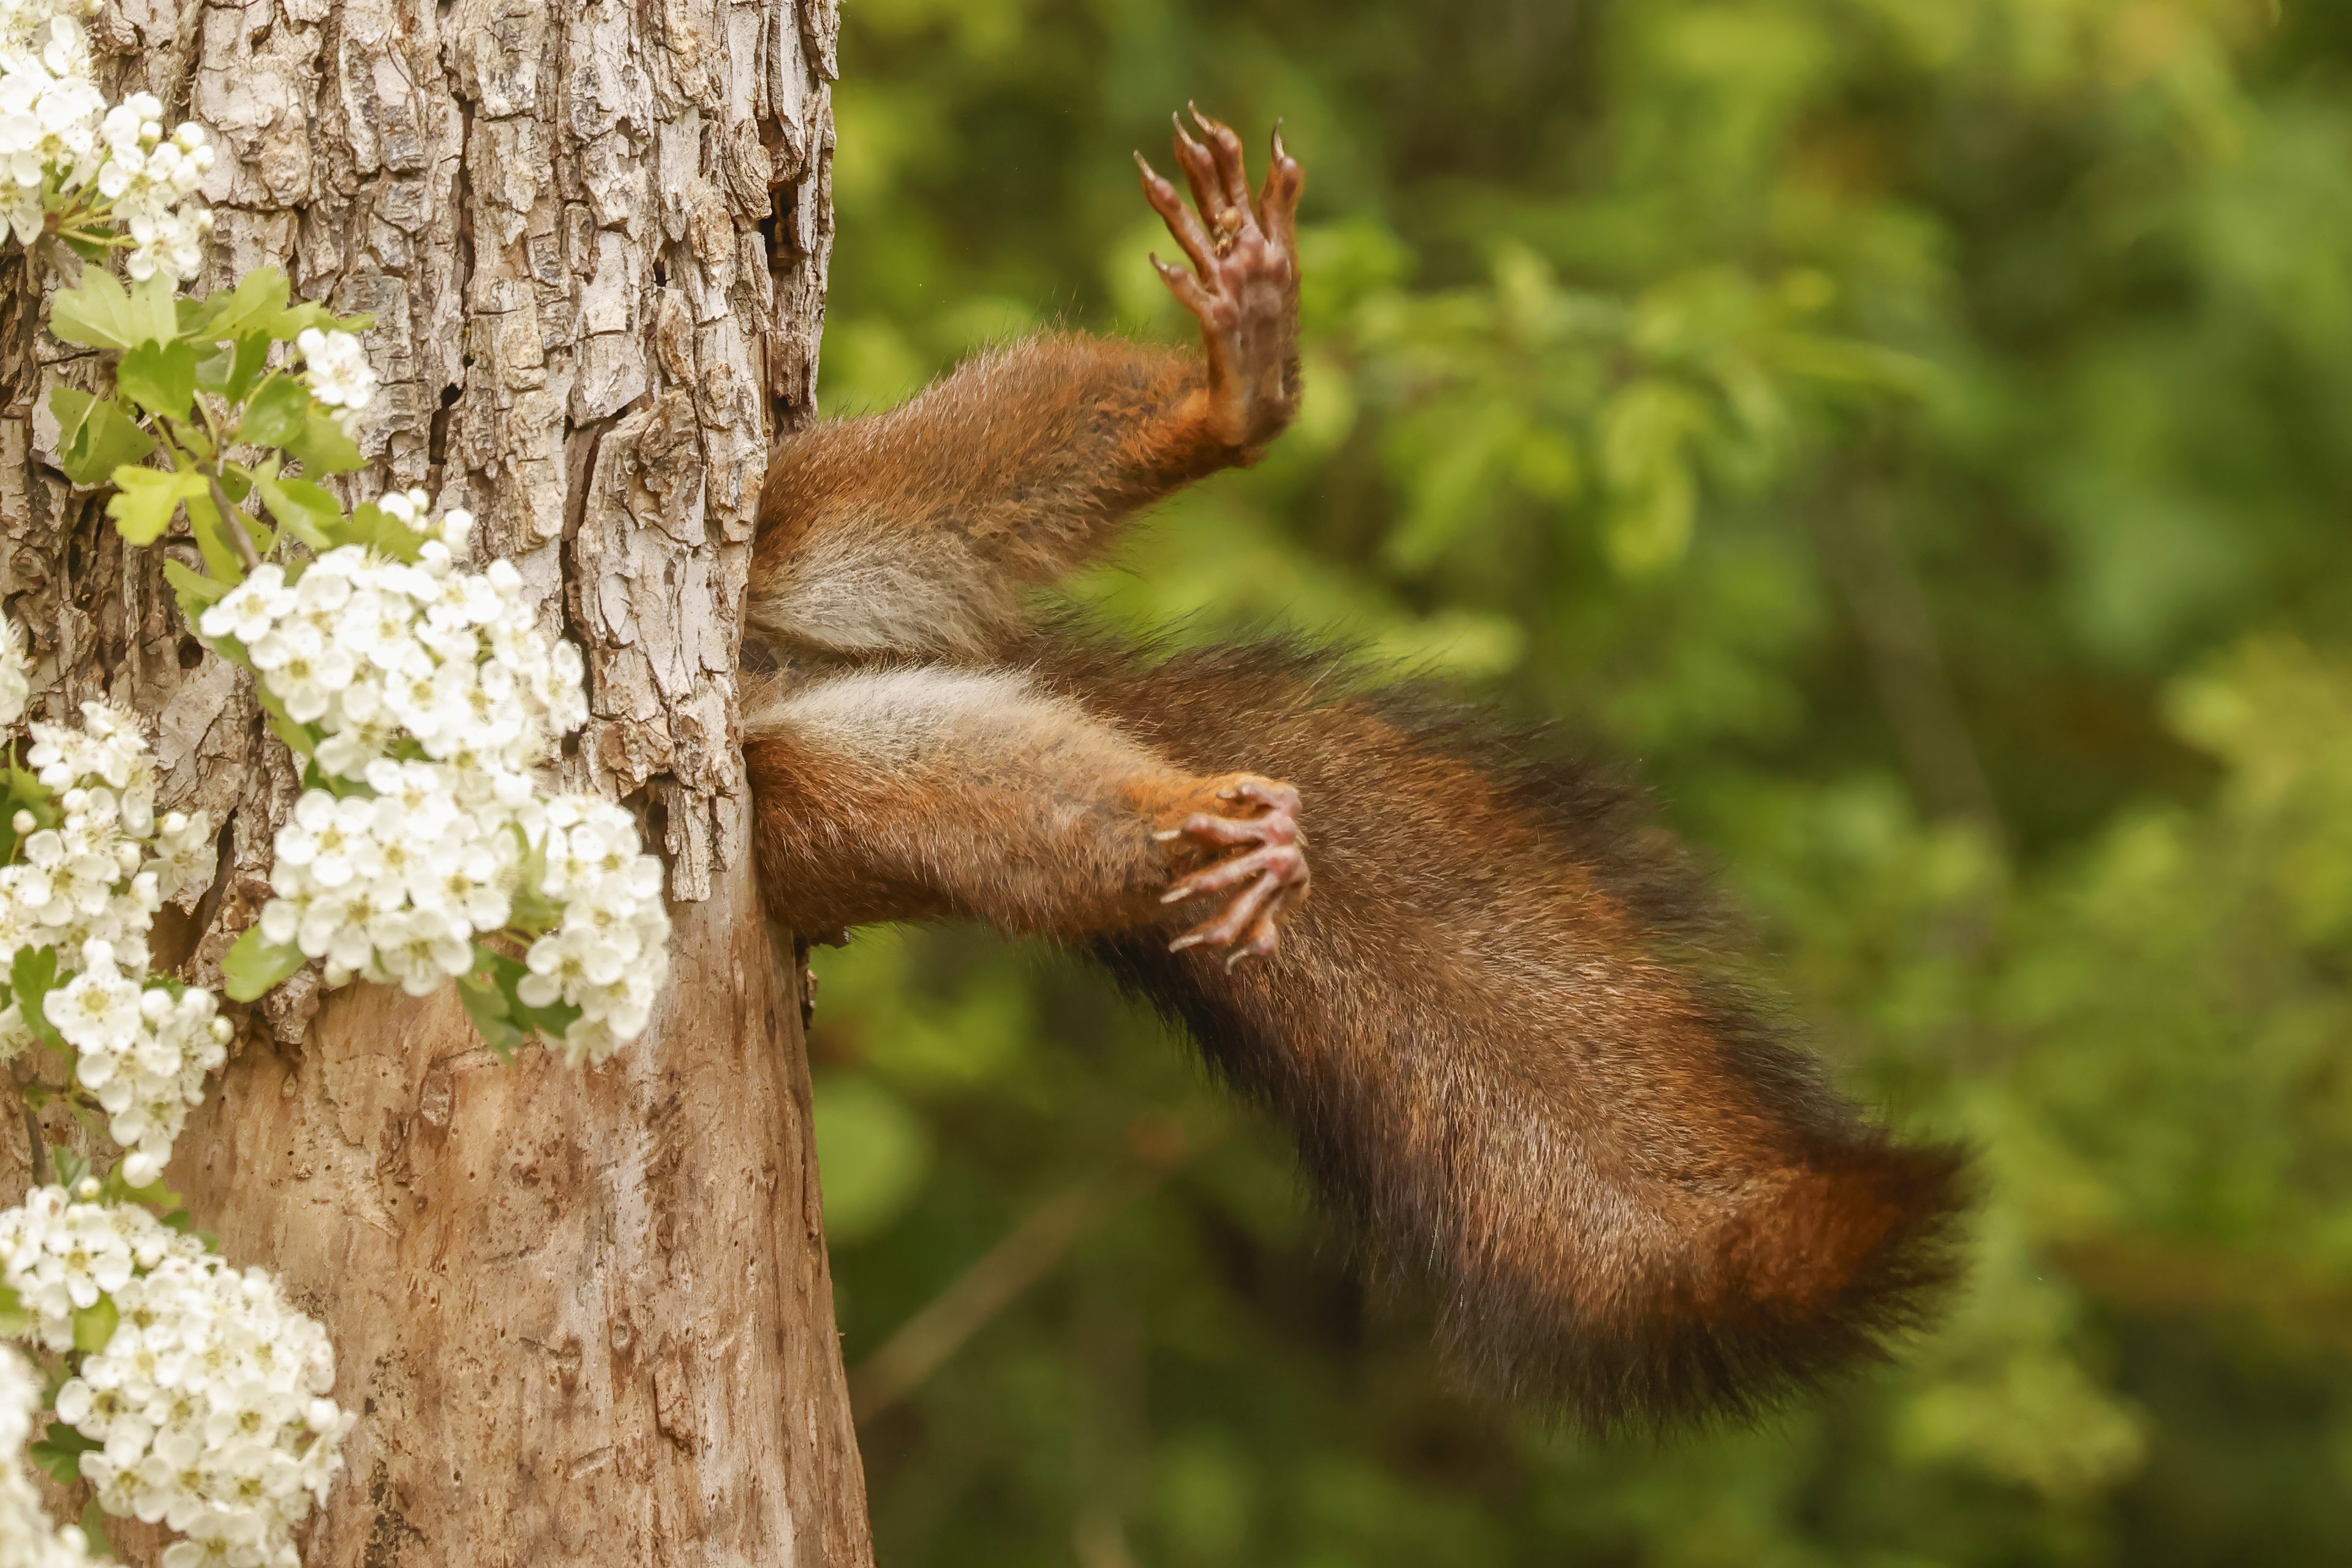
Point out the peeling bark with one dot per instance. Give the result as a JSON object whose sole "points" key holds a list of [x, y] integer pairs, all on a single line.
{"points": [[582, 1314]]}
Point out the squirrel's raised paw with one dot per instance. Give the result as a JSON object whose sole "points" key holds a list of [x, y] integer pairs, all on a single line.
{"points": [[1242, 284], [1252, 826]]}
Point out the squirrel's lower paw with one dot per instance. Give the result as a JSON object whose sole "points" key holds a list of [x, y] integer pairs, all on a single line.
{"points": [[1257, 820]]}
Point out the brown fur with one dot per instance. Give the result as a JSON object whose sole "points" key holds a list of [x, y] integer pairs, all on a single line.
{"points": [[1498, 1029], [927, 793], [1012, 471], [1516, 1067]]}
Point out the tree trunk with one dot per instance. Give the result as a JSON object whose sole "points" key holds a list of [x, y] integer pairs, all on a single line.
{"points": [[585, 1315]]}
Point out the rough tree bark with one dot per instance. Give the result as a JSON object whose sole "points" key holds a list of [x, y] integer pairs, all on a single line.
{"points": [[585, 1315]]}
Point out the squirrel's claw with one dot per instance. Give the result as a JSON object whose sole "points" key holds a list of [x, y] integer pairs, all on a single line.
{"points": [[1278, 202], [1266, 879], [1243, 285], [1183, 227]]}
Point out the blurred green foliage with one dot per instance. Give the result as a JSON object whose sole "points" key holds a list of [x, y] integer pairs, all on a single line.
{"points": [[1920, 430]]}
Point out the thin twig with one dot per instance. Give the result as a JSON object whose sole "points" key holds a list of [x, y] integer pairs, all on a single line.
{"points": [[925, 1342], [1033, 1248], [1889, 605], [37, 1152], [233, 521]]}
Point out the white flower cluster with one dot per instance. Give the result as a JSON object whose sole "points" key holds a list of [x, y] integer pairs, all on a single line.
{"points": [[152, 182], [144, 1049], [58, 137], [209, 1401], [611, 952], [340, 374], [371, 649], [394, 885], [26, 1538], [89, 888], [50, 111], [25, 25], [107, 867]]}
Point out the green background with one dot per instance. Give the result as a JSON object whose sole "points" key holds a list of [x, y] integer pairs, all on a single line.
{"points": [[1920, 431]]}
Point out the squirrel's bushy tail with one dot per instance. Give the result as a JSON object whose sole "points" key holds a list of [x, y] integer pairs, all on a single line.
{"points": [[1511, 1065]]}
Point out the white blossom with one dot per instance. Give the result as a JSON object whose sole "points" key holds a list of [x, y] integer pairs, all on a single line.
{"points": [[87, 888], [150, 183], [370, 648], [393, 889], [50, 115], [28, 1539], [22, 22], [84, 879], [340, 374], [395, 884], [146, 1060], [185, 855], [62, 148], [104, 868], [209, 1401], [98, 1010], [610, 953]]}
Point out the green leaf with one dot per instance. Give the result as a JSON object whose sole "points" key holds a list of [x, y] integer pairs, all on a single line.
{"points": [[252, 365], [14, 1320], [376, 528], [100, 315], [59, 1453], [154, 1194], [279, 414], [299, 737], [486, 1003], [507, 975], [325, 446], [95, 1324], [255, 964], [25, 792], [307, 510], [254, 305], [215, 366], [145, 499], [221, 558], [232, 368], [159, 377], [32, 976], [304, 314], [93, 1529], [535, 913], [95, 437], [194, 590]]}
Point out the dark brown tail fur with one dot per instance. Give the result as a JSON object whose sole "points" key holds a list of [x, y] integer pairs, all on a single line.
{"points": [[1514, 1067]]}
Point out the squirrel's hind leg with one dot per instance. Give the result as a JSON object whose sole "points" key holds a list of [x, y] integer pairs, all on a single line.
{"points": [[925, 791]]}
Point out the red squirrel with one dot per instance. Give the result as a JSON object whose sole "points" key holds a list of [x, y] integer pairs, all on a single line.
{"points": [[1475, 984]]}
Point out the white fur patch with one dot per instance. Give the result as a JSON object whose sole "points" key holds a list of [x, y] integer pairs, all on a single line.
{"points": [[910, 715], [850, 592]]}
